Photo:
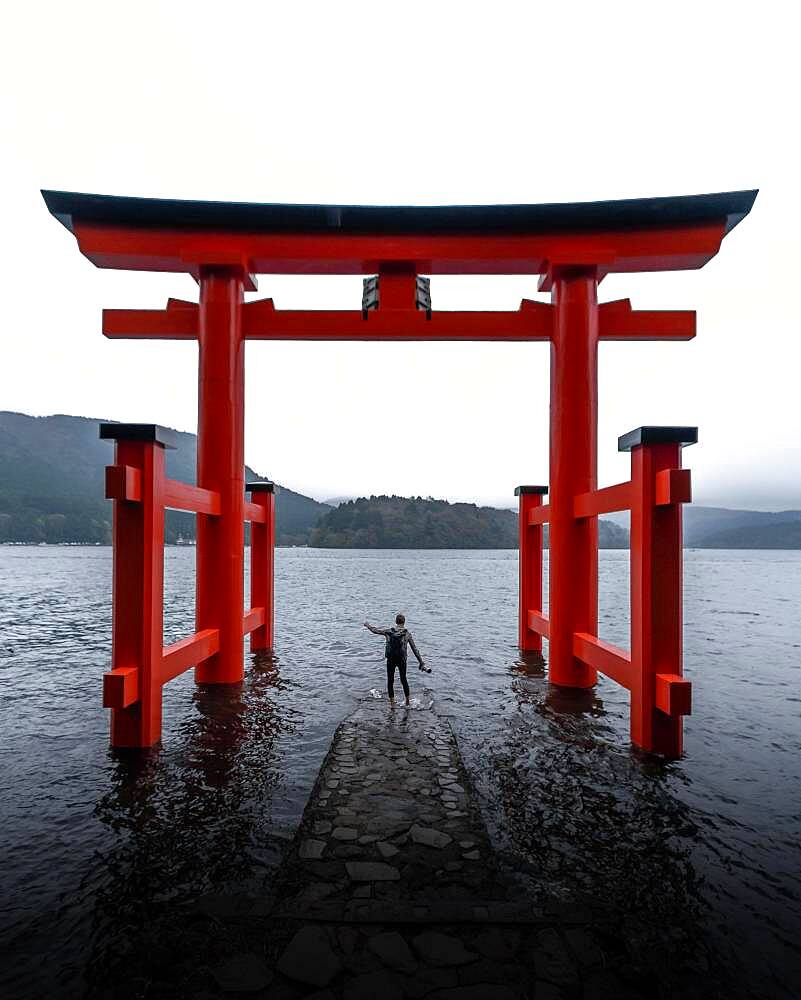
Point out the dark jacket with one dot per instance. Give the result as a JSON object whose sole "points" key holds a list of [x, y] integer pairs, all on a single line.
{"points": [[406, 640]]}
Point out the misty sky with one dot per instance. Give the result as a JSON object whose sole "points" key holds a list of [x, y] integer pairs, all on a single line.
{"points": [[418, 103]]}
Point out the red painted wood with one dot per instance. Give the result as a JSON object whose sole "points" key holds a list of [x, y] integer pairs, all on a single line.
{"points": [[656, 599], [572, 263], [618, 321], [573, 557], [253, 619], [673, 486], [673, 694], [123, 483], [539, 515], [187, 653], [530, 571], [533, 321], [138, 595], [603, 656], [121, 687], [220, 468], [150, 249], [262, 569], [604, 501], [254, 512], [538, 623], [182, 496]]}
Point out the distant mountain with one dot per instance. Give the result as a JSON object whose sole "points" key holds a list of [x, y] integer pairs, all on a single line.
{"points": [[771, 535], [729, 528], [383, 522], [52, 484], [51, 490], [721, 527]]}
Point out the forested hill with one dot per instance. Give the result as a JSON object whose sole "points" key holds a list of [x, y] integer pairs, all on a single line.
{"points": [[400, 523], [52, 484]]}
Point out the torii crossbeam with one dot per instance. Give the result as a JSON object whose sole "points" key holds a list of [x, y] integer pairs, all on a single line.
{"points": [[572, 247]]}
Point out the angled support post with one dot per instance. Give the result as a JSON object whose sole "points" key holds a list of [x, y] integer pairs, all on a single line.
{"points": [[136, 485], [262, 563], [659, 693], [530, 560]]}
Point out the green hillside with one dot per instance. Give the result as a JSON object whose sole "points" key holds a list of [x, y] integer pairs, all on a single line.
{"points": [[52, 484], [383, 522]]}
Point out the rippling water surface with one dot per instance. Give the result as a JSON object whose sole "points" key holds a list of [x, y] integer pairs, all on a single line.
{"points": [[98, 847]]}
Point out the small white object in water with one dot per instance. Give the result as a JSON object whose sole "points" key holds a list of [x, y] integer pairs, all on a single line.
{"points": [[375, 693]]}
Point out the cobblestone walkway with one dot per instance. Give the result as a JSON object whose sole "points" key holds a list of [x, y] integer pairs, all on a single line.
{"points": [[390, 888]]}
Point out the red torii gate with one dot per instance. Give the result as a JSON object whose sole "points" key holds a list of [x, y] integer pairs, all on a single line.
{"points": [[572, 246]]}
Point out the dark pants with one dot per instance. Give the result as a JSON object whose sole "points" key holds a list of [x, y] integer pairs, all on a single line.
{"points": [[401, 665]]}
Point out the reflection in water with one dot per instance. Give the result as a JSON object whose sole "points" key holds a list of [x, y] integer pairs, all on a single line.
{"points": [[530, 664], [600, 829], [107, 857], [190, 828]]}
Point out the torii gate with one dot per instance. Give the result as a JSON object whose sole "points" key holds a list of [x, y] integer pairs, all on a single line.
{"points": [[571, 246]]}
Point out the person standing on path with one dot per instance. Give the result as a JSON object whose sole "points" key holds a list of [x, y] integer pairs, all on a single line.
{"points": [[398, 640]]}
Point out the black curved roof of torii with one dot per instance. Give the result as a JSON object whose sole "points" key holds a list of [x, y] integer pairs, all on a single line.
{"points": [[587, 216]]}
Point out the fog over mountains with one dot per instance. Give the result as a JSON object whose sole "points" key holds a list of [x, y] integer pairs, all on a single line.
{"points": [[52, 488]]}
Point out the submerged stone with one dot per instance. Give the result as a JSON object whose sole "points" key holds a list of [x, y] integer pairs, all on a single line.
{"points": [[311, 850], [309, 958], [430, 838], [372, 871], [243, 974], [372, 985], [496, 944], [345, 833], [552, 959], [442, 949], [393, 951]]}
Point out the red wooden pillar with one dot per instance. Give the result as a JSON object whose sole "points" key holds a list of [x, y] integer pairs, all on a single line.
{"points": [[136, 484], [573, 543], [220, 467], [262, 563], [530, 561], [659, 695]]}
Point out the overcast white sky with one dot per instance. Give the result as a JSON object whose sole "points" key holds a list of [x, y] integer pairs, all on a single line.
{"points": [[418, 103]]}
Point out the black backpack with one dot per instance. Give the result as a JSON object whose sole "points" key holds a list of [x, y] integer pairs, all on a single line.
{"points": [[395, 644]]}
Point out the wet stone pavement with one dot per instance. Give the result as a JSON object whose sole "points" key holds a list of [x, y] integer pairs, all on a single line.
{"points": [[391, 889]]}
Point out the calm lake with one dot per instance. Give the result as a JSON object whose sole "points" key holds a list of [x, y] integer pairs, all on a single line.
{"points": [[94, 844]]}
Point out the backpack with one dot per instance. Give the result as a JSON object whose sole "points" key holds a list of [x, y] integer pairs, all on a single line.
{"points": [[395, 644]]}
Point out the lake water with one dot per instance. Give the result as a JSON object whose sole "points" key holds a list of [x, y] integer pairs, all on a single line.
{"points": [[705, 851]]}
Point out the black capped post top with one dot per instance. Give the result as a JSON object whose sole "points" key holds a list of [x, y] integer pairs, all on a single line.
{"points": [[657, 435], [523, 490], [139, 432], [262, 487]]}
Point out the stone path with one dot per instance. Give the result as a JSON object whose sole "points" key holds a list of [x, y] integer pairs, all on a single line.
{"points": [[390, 831], [391, 889]]}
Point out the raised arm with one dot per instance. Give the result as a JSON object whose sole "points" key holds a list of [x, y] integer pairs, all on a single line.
{"points": [[376, 631]]}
